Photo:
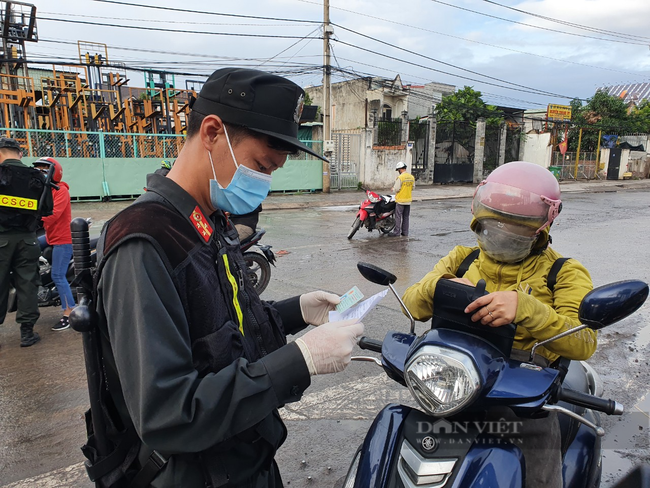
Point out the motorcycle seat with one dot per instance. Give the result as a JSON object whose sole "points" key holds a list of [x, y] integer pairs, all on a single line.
{"points": [[256, 236], [576, 379]]}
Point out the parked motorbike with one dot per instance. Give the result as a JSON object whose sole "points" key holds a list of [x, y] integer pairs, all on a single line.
{"points": [[258, 263], [376, 212], [457, 372], [48, 295]]}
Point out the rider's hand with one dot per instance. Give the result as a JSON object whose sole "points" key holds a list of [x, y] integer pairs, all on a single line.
{"points": [[328, 348], [495, 309], [316, 306]]}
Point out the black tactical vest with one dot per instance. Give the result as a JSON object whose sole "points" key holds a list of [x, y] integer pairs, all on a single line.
{"points": [[24, 197], [227, 320]]}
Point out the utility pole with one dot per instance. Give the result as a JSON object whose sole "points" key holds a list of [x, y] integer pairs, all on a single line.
{"points": [[327, 104]]}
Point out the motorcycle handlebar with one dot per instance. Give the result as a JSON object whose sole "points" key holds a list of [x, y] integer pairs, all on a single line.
{"points": [[610, 407], [370, 344]]}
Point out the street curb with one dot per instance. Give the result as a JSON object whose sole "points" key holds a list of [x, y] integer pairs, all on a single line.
{"points": [[319, 200]]}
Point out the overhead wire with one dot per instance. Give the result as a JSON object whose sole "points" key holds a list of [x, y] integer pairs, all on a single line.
{"points": [[292, 45], [165, 21], [177, 31], [204, 12], [474, 41], [536, 26], [542, 92], [571, 24], [535, 92], [299, 38]]}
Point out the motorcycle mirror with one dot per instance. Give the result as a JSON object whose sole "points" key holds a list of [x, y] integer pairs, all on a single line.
{"points": [[613, 302], [384, 278], [376, 274]]}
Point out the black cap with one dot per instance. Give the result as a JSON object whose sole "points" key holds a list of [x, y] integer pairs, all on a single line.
{"points": [[8, 142], [262, 102]]}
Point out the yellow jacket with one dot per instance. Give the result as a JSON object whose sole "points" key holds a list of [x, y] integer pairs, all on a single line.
{"points": [[404, 185], [541, 314]]}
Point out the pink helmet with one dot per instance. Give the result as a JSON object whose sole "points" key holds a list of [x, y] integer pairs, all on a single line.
{"points": [[521, 193]]}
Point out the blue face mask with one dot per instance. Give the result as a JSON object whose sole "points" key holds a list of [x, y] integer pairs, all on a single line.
{"points": [[246, 191]]}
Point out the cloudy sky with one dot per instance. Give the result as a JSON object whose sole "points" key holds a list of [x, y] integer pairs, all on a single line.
{"points": [[517, 53]]}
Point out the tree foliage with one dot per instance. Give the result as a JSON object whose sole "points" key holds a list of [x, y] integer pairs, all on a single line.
{"points": [[465, 105], [606, 113]]}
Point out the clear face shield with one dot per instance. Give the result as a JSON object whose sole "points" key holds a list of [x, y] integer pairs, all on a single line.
{"points": [[505, 242]]}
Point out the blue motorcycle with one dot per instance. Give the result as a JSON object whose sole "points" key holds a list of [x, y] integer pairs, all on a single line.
{"points": [[458, 372]]}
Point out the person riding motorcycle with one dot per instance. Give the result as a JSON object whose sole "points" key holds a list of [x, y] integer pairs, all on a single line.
{"points": [[513, 210]]}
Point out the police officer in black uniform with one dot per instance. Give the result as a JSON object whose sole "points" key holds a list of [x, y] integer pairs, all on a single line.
{"points": [[194, 360], [21, 188]]}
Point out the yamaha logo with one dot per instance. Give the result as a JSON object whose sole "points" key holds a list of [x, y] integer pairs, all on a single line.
{"points": [[429, 443]]}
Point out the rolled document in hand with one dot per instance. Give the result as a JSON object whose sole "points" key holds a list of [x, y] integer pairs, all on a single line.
{"points": [[358, 311]]}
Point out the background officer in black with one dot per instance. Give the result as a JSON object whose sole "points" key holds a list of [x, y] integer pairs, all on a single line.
{"points": [[197, 363], [19, 249]]}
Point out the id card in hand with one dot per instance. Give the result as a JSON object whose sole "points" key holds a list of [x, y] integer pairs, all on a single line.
{"points": [[350, 298]]}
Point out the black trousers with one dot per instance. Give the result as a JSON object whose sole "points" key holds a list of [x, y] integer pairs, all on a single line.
{"points": [[19, 253]]}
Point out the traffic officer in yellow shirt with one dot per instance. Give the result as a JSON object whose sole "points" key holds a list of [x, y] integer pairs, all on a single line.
{"points": [[403, 189]]}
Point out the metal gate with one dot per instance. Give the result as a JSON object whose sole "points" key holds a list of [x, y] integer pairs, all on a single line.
{"points": [[345, 161], [491, 148], [454, 158], [419, 134]]}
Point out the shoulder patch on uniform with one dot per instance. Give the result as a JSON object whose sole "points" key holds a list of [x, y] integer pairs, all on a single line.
{"points": [[201, 224]]}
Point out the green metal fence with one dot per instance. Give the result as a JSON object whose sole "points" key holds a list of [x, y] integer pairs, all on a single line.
{"points": [[100, 165]]}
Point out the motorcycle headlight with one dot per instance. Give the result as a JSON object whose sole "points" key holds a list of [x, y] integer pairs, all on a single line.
{"points": [[442, 380]]}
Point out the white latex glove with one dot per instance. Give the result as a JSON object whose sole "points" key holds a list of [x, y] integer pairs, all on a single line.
{"points": [[328, 348], [315, 306]]}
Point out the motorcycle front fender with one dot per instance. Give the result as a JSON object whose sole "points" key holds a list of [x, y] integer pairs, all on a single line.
{"points": [[380, 447], [491, 466], [362, 214], [268, 254]]}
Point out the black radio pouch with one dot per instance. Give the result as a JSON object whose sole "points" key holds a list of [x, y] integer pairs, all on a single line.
{"points": [[449, 302]]}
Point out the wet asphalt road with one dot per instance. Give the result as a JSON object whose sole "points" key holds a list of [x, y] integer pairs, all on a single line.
{"points": [[43, 392]]}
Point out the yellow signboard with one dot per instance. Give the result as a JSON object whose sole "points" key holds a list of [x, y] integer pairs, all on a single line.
{"points": [[558, 112], [18, 202]]}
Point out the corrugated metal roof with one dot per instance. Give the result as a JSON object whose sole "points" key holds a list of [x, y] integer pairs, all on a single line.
{"points": [[630, 92]]}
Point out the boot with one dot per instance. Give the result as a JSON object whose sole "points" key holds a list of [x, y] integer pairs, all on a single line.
{"points": [[27, 335]]}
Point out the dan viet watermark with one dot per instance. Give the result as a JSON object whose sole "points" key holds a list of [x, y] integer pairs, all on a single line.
{"points": [[628, 432], [488, 432], [493, 427]]}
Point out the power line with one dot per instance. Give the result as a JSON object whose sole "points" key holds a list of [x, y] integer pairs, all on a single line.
{"points": [[204, 12], [536, 26], [571, 24], [450, 74], [160, 29], [421, 95], [165, 21], [297, 42], [157, 51], [528, 89], [474, 41]]}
